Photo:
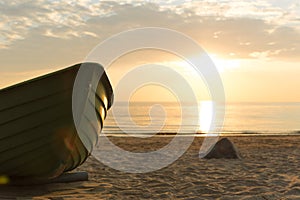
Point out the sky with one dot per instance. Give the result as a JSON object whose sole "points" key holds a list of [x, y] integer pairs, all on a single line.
{"points": [[254, 44]]}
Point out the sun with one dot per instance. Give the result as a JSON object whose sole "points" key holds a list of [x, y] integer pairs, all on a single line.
{"points": [[224, 65], [206, 116]]}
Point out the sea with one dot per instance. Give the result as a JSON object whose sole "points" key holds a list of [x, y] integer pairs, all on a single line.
{"points": [[168, 118]]}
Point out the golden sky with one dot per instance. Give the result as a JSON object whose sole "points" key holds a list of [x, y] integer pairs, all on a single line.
{"points": [[254, 44]]}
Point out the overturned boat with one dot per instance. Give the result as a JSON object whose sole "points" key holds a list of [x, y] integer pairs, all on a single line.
{"points": [[38, 136]]}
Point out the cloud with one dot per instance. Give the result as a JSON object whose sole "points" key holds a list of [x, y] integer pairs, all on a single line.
{"points": [[20, 18], [37, 34]]}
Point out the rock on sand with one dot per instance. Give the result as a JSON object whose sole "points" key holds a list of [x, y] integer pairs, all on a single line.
{"points": [[224, 148]]}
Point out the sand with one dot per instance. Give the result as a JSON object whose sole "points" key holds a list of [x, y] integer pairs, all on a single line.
{"points": [[269, 169]]}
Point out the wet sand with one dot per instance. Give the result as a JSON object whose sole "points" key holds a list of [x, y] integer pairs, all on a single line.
{"points": [[269, 169]]}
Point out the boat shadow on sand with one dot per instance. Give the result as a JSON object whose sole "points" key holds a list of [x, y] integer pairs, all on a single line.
{"points": [[55, 190]]}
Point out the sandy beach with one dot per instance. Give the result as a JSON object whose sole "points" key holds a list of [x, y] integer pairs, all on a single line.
{"points": [[269, 169]]}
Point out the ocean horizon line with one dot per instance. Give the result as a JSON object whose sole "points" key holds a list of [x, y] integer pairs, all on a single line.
{"points": [[227, 102]]}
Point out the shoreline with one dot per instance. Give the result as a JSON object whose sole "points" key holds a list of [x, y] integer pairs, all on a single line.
{"points": [[169, 134]]}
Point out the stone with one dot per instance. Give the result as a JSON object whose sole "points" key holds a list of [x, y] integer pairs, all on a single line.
{"points": [[224, 148]]}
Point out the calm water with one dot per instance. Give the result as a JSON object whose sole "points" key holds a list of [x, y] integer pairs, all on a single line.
{"points": [[260, 118]]}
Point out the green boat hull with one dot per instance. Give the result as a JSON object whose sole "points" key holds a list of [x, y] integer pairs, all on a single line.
{"points": [[38, 138]]}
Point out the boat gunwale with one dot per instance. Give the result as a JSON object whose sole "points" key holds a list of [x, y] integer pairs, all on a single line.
{"points": [[45, 76]]}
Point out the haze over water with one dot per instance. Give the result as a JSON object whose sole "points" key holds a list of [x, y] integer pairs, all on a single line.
{"points": [[240, 118]]}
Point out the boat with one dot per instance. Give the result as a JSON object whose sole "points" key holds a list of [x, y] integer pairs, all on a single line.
{"points": [[38, 135]]}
